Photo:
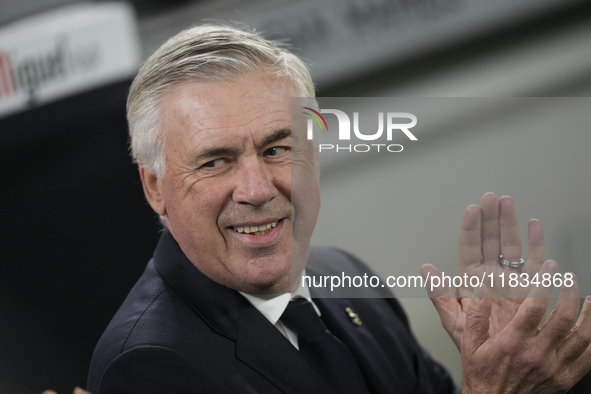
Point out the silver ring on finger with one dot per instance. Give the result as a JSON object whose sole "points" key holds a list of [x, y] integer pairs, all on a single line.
{"points": [[511, 264]]}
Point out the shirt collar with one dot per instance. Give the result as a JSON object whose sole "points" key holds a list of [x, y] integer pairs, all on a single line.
{"points": [[273, 308]]}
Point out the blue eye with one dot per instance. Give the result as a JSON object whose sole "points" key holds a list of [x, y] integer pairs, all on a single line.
{"points": [[213, 163], [274, 151]]}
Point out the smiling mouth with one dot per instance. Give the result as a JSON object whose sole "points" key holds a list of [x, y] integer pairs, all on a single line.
{"points": [[256, 230]]}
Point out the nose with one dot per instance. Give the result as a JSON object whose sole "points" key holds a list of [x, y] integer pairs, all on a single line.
{"points": [[254, 183]]}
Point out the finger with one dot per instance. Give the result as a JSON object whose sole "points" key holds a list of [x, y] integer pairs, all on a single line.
{"points": [[535, 247], [470, 251], [447, 305], [490, 229], [563, 317], [579, 338], [533, 309], [580, 367], [435, 287], [49, 392], [78, 390], [509, 233], [477, 321]]}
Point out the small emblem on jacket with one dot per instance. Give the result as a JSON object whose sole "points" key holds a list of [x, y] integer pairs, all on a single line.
{"points": [[353, 316]]}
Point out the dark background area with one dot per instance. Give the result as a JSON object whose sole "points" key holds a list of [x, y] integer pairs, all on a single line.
{"points": [[76, 234]]}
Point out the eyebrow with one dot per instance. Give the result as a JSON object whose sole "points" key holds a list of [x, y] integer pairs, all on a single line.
{"points": [[276, 136], [225, 151], [213, 152]]}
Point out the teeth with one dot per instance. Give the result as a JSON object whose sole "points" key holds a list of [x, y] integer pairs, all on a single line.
{"points": [[256, 230]]}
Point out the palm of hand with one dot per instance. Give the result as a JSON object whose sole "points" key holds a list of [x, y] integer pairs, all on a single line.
{"points": [[498, 327]]}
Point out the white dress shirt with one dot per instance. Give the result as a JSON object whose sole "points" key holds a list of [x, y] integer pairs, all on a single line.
{"points": [[273, 308]]}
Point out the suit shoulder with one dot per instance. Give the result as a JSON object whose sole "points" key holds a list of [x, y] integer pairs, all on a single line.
{"points": [[144, 313], [148, 291], [156, 369]]}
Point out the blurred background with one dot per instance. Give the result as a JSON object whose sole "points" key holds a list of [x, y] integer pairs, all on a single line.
{"points": [[76, 231]]}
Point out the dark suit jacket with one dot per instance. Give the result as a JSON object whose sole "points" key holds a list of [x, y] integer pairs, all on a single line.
{"points": [[180, 332]]}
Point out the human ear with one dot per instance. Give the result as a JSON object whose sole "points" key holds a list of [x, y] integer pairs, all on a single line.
{"points": [[153, 191]]}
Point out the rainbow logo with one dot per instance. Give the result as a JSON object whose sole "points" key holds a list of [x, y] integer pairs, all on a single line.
{"points": [[315, 118]]}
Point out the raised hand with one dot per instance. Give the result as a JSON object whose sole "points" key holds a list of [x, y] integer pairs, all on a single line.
{"points": [[486, 233], [498, 328]]}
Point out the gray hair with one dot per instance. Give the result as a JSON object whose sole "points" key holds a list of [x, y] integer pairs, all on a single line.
{"points": [[207, 53]]}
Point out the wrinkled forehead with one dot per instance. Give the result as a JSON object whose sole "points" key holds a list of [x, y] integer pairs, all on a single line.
{"points": [[253, 99]]}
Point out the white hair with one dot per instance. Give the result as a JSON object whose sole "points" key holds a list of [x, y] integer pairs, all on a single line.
{"points": [[206, 53]]}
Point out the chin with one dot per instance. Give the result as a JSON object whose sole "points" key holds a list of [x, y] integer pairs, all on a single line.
{"points": [[268, 285]]}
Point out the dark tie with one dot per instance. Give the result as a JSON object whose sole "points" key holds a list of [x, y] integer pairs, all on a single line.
{"points": [[325, 352]]}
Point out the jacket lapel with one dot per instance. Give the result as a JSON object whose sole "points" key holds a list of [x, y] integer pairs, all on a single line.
{"points": [[265, 349], [258, 343], [381, 374]]}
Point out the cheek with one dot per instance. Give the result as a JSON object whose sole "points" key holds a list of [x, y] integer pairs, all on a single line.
{"points": [[198, 206], [210, 201], [282, 181], [304, 181]]}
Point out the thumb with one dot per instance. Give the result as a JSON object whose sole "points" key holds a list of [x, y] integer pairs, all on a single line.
{"points": [[436, 287], [444, 301], [477, 321]]}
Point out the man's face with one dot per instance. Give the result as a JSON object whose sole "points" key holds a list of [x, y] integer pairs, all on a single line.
{"points": [[227, 191]]}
